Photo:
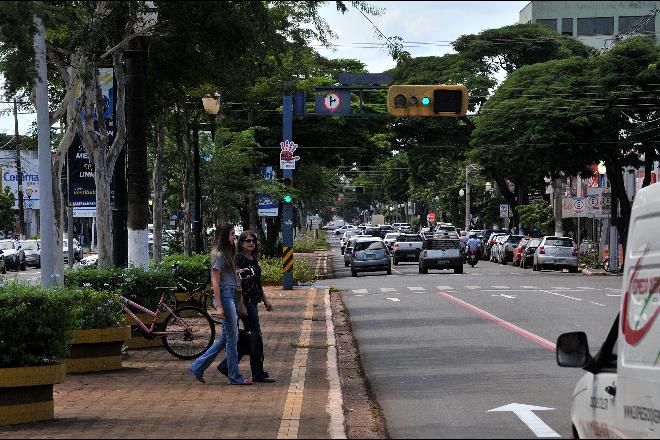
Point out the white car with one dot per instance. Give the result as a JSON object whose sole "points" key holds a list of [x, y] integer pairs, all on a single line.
{"points": [[619, 396]]}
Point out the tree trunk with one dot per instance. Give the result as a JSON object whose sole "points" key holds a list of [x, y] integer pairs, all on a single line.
{"points": [[507, 194], [159, 155], [221, 214], [615, 176], [649, 158], [557, 189], [103, 177], [137, 172], [58, 223], [185, 192]]}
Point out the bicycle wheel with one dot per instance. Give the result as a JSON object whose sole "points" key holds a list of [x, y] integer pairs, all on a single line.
{"points": [[192, 342]]}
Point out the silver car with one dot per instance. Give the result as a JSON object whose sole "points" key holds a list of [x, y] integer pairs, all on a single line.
{"points": [[556, 253], [32, 252], [370, 255]]}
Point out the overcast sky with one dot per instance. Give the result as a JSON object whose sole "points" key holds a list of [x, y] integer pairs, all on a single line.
{"points": [[435, 23]]}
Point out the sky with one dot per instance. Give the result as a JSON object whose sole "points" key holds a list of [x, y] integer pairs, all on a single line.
{"points": [[435, 23]]}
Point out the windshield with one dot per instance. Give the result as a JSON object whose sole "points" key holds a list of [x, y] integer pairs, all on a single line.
{"points": [[4, 245], [369, 245], [409, 238], [29, 245], [534, 242], [391, 236], [515, 238], [560, 242]]}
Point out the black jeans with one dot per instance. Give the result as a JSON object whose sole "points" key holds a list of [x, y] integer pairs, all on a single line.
{"points": [[250, 323]]}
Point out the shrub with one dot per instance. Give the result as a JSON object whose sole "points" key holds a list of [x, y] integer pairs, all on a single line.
{"points": [[271, 271], [95, 278], [196, 269], [36, 325], [92, 309], [305, 243]]}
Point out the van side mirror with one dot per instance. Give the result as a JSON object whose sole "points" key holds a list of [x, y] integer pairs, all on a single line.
{"points": [[573, 350]]}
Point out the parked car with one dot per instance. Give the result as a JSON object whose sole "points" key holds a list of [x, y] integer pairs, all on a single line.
{"points": [[441, 252], [77, 250], [32, 252], [527, 257], [3, 267], [13, 254], [90, 261], [509, 245], [348, 234], [488, 245], [556, 253], [390, 239], [407, 248], [348, 251], [369, 255], [619, 392], [401, 227]]}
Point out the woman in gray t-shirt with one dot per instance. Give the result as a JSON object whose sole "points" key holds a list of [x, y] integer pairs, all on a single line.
{"points": [[224, 274]]}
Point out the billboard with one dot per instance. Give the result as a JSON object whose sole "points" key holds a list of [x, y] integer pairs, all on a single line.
{"points": [[30, 169]]}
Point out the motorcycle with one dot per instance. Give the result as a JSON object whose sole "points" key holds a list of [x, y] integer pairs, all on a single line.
{"points": [[472, 258]]}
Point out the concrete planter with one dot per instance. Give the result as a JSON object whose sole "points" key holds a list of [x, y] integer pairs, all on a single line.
{"points": [[96, 349], [26, 393], [139, 341]]}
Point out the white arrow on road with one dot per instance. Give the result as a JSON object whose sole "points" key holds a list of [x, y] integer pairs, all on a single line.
{"points": [[526, 414], [394, 299]]}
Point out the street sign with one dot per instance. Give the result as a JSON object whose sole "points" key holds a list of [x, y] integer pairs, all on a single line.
{"points": [[430, 216], [333, 102], [316, 222], [266, 207], [287, 159], [595, 204], [505, 210]]}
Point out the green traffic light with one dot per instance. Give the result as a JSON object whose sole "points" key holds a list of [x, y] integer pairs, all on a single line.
{"points": [[426, 100], [287, 198]]}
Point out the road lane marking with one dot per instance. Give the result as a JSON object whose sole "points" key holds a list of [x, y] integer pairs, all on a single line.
{"points": [[473, 287], [529, 287], [500, 287], [561, 288], [598, 304], [360, 291], [609, 294], [416, 289], [586, 288], [507, 325], [445, 288], [526, 414], [387, 289], [394, 299], [559, 294], [507, 296]]}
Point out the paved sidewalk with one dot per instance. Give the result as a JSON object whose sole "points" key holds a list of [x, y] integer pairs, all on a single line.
{"points": [[154, 397]]}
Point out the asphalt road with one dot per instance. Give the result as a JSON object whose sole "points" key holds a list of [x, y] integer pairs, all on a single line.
{"points": [[441, 350]]}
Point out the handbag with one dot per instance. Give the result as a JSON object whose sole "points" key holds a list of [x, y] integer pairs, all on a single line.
{"points": [[249, 343]]}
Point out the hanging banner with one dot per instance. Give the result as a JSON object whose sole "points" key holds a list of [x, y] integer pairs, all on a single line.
{"points": [[266, 206], [30, 170]]}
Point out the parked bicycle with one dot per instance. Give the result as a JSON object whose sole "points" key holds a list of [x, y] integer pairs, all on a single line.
{"points": [[186, 333], [195, 294]]}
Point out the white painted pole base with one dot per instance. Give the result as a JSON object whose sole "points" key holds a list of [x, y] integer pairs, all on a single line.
{"points": [[138, 248]]}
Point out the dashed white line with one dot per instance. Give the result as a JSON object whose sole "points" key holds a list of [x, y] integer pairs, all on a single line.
{"points": [[416, 289], [613, 295], [387, 289], [500, 287], [444, 288], [394, 299], [598, 304], [528, 287], [561, 288], [586, 288], [473, 287], [559, 294], [360, 291]]}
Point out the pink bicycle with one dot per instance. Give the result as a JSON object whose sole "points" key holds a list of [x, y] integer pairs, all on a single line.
{"points": [[187, 332]]}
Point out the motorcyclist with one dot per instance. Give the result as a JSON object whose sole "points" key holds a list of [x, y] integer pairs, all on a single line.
{"points": [[464, 239], [473, 243]]}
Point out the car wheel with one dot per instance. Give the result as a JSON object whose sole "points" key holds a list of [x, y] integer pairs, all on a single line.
{"points": [[353, 273], [22, 266], [522, 263], [4, 269], [389, 271], [346, 264], [395, 261], [572, 269], [458, 269]]}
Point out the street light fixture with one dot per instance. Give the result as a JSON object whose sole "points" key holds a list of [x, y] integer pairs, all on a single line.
{"points": [[489, 187], [461, 192]]}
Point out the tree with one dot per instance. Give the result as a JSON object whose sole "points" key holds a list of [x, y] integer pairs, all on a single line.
{"points": [[6, 209], [537, 217]]}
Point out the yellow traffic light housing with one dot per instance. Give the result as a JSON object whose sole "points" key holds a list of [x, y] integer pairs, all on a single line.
{"points": [[427, 100]]}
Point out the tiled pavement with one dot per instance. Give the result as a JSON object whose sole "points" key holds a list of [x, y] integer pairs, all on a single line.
{"points": [[154, 397]]}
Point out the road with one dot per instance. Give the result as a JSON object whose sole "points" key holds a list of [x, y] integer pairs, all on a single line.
{"points": [[29, 275], [441, 350]]}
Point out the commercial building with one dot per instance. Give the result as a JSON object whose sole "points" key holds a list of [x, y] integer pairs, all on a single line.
{"points": [[596, 24]]}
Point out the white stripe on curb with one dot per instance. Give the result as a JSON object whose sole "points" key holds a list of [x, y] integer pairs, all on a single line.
{"points": [[335, 406]]}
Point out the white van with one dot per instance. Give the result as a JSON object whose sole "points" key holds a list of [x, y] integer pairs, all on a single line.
{"points": [[619, 397]]}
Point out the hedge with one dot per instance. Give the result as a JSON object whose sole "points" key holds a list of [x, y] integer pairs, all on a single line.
{"points": [[196, 269], [271, 271], [92, 309], [36, 325]]}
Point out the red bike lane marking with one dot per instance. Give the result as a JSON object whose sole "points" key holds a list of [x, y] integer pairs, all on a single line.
{"points": [[507, 325]]}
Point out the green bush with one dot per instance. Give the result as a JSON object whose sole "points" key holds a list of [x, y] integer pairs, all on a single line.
{"points": [[36, 325], [94, 278], [92, 309], [588, 260], [196, 269], [271, 271]]}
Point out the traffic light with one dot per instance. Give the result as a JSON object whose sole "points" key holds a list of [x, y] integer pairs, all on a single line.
{"points": [[287, 181], [427, 100], [358, 189]]}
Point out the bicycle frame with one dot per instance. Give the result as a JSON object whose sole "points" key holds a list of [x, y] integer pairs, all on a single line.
{"points": [[162, 306]]}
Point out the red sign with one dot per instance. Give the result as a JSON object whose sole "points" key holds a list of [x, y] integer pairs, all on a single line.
{"points": [[430, 216]]}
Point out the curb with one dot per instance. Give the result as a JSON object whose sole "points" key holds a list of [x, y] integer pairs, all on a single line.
{"points": [[600, 273]]}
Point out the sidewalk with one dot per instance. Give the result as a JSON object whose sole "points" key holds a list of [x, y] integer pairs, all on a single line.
{"points": [[154, 397]]}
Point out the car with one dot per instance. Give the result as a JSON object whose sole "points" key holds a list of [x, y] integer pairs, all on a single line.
{"points": [[497, 247], [441, 252], [507, 248], [400, 227], [556, 253], [77, 250], [527, 257], [374, 231], [89, 261], [32, 252], [407, 248], [384, 230], [14, 256], [348, 252], [442, 227], [390, 239], [370, 255], [348, 234], [488, 245], [619, 393]]}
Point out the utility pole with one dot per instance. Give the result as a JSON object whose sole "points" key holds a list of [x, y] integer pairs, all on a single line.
{"points": [[46, 228], [197, 207], [287, 208], [467, 198], [19, 175], [557, 199]]}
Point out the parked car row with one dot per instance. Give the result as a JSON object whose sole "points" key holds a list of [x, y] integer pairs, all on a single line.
{"points": [[549, 252]]}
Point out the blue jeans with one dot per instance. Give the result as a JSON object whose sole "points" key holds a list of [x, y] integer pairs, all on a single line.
{"points": [[228, 340], [252, 324]]}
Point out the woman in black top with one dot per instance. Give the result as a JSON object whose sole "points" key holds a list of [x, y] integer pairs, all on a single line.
{"points": [[253, 294]]}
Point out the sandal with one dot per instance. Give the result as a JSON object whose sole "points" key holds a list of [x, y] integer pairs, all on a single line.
{"points": [[245, 382], [198, 376]]}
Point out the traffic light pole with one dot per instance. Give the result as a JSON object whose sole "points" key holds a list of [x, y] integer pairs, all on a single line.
{"points": [[287, 209]]}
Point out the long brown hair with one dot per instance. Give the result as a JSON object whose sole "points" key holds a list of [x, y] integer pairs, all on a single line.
{"points": [[224, 247]]}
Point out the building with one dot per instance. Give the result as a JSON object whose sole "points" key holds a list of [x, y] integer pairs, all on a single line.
{"points": [[596, 24]]}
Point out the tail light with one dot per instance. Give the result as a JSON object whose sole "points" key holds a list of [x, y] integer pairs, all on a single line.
{"points": [[354, 254], [575, 252], [396, 245], [387, 252], [541, 250]]}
